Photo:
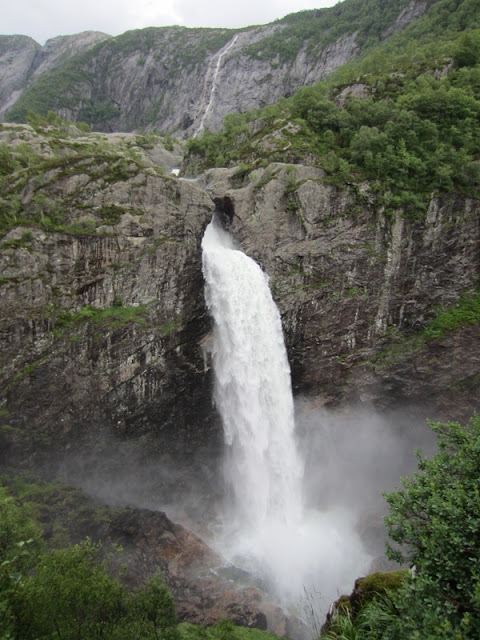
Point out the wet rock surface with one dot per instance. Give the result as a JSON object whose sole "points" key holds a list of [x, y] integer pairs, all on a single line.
{"points": [[104, 368], [355, 287]]}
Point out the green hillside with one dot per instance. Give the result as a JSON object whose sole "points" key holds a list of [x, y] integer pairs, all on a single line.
{"points": [[405, 117], [82, 87]]}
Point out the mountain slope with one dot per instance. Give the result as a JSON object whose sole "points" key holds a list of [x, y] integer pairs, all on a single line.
{"points": [[178, 80], [17, 54], [405, 117], [23, 61]]}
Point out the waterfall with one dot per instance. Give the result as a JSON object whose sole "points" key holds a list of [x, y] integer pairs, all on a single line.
{"points": [[252, 385], [267, 529], [213, 89]]}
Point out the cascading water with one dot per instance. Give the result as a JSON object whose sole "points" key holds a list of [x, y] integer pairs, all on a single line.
{"points": [[213, 89], [252, 390], [267, 529]]}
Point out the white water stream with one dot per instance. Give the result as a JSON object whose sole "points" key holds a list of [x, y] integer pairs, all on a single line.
{"points": [[266, 527], [213, 88]]}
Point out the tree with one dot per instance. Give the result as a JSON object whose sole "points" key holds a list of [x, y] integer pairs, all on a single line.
{"points": [[154, 610], [70, 597], [19, 542], [468, 50], [436, 520]]}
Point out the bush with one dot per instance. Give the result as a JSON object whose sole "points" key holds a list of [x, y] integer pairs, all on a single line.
{"points": [[434, 522], [70, 596], [435, 519], [20, 542]]}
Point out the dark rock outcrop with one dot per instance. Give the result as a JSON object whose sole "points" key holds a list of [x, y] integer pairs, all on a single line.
{"points": [[142, 543], [150, 541]]}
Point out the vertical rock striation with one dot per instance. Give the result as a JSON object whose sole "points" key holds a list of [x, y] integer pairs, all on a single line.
{"points": [[102, 321], [356, 288]]}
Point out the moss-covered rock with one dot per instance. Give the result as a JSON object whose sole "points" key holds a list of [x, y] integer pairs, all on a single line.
{"points": [[366, 590]]}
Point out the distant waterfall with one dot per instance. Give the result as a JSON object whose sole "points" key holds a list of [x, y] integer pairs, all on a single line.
{"points": [[267, 530], [213, 89], [252, 385]]}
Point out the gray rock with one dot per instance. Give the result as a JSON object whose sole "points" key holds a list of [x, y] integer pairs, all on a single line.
{"points": [[22, 60], [350, 283], [17, 54], [183, 81]]}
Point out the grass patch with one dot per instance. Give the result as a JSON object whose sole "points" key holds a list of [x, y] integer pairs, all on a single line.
{"points": [[113, 317], [28, 370], [24, 241], [221, 630], [465, 314]]}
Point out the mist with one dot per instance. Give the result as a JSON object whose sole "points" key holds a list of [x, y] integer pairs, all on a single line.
{"points": [[119, 473], [351, 456], [295, 501], [354, 453]]}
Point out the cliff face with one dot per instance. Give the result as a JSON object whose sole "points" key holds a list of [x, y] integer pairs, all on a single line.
{"points": [[104, 335], [103, 315], [355, 289], [180, 80], [22, 60], [17, 54]]}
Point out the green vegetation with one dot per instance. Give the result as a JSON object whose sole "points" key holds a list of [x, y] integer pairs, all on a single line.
{"points": [[70, 593], [53, 90], [95, 321], [60, 150], [433, 524], [63, 513], [113, 317], [98, 111], [464, 314], [75, 592], [222, 630], [318, 28], [414, 131], [14, 243]]}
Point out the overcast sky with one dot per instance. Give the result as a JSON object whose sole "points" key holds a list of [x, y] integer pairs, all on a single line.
{"points": [[43, 19]]}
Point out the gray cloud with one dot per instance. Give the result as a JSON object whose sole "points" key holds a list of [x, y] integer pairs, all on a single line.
{"points": [[43, 19]]}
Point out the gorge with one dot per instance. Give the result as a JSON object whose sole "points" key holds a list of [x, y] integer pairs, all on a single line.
{"points": [[356, 199]]}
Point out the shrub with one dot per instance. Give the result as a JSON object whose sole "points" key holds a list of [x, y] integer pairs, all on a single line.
{"points": [[435, 519]]}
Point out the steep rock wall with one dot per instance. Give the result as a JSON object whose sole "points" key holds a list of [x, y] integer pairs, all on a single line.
{"points": [[180, 80], [17, 54], [355, 288], [101, 330], [103, 370], [155, 84]]}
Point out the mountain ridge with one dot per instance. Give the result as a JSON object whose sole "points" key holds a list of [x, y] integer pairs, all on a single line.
{"points": [[149, 78]]}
